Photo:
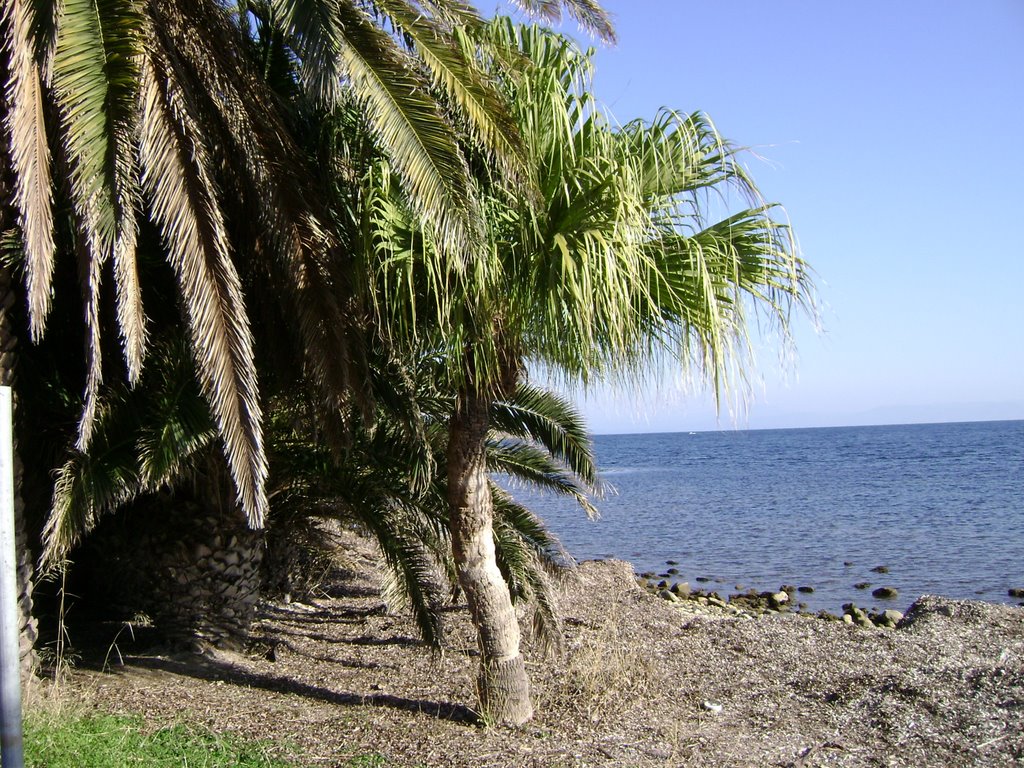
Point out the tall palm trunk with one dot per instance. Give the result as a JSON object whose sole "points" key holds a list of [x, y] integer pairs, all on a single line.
{"points": [[8, 355], [200, 562], [502, 684]]}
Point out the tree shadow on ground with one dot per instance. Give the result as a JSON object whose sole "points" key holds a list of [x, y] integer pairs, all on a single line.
{"points": [[215, 670], [109, 647]]}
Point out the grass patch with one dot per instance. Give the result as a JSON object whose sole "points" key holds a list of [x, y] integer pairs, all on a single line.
{"points": [[72, 740], [602, 670]]}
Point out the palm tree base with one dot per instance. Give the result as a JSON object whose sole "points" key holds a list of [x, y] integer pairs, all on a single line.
{"points": [[193, 570], [504, 691], [28, 629], [28, 632], [210, 591]]}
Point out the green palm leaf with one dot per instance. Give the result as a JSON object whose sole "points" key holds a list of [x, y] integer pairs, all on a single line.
{"points": [[370, 487], [145, 438], [90, 484], [175, 425], [538, 414], [415, 135], [95, 79], [531, 465], [677, 153], [486, 113], [412, 569]]}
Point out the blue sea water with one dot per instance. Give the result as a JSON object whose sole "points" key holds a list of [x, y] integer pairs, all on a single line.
{"points": [[940, 505]]}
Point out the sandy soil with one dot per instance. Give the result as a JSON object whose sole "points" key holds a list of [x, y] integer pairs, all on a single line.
{"points": [[641, 682]]}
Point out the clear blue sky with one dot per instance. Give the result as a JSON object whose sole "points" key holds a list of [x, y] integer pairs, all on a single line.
{"points": [[893, 133]]}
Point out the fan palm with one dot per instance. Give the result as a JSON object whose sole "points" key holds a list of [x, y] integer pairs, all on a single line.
{"points": [[612, 272]]}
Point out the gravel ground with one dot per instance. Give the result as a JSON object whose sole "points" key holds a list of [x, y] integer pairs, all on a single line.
{"points": [[641, 682]]}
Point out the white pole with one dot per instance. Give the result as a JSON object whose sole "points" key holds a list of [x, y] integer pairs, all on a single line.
{"points": [[10, 652]]}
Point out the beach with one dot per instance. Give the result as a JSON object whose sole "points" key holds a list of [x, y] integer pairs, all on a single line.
{"points": [[640, 681]]}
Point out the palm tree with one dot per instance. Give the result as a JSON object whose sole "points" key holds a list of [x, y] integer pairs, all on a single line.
{"points": [[127, 96], [117, 112], [155, 435], [613, 271], [178, 552], [8, 349], [100, 73]]}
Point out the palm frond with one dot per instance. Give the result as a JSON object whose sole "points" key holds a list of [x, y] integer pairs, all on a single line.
{"points": [[415, 135], [145, 437], [184, 205], [176, 425], [588, 13], [92, 483], [123, 45], [531, 529], [707, 280], [90, 268], [273, 178], [395, 393], [131, 318], [573, 264], [531, 465], [95, 81], [453, 13], [621, 293], [675, 156], [25, 125], [314, 31], [373, 486], [412, 574], [411, 547], [539, 414], [486, 113], [83, 91]]}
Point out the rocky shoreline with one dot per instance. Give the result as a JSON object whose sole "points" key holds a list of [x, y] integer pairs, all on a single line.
{"points": [[754, 603], [786, 599]]}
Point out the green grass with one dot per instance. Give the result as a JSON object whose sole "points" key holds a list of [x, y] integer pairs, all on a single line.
{"points": [[67, 737], [102, 741]]}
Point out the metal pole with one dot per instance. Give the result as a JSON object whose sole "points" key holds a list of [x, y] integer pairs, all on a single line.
{"points": [[10, 652]]}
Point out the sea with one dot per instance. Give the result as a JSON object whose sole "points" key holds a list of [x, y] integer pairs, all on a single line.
{"points": [[940, 507]]}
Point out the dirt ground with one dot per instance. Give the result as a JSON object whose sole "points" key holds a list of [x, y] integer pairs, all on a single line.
{"points": [[641, 682]]}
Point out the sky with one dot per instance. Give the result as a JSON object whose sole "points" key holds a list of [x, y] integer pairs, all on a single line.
{"points": [[893, 134]]}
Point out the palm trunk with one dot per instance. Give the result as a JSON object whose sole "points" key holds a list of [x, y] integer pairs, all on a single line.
{"points": [[210, 583], [8, 355], [502, 684], [189, 565], [207, 575]]}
